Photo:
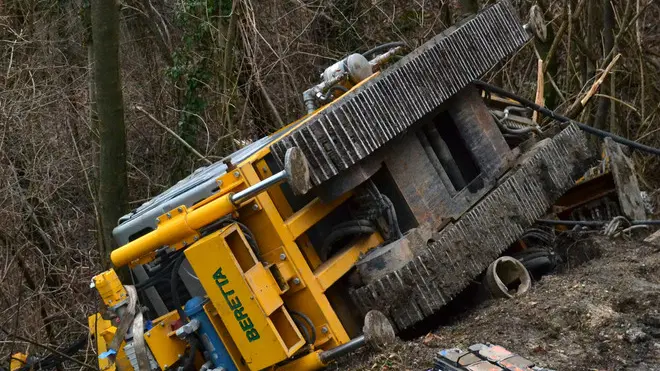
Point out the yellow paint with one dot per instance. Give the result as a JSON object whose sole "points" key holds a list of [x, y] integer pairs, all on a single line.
{"points": [[17, 361], [311, 300], [181, 226], [221, 329], [333, 269], [220, 261], [248, 278], [266, 290], [162, 341], [103, 332], [311, 214], [110, 288], [275, 193], [309, 362]]}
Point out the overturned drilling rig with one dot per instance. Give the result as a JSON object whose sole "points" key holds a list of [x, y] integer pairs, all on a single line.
{"points": [[398, 188]]}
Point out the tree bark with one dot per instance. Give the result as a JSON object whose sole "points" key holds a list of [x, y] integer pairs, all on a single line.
{"points": [[468, 7], [113, 187], [602, 112]]}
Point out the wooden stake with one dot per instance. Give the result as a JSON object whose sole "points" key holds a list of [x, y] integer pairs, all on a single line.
{"points": [[539, 89]]}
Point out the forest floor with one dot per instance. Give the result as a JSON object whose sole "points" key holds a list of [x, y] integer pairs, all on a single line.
{"points": [[600, 311]]}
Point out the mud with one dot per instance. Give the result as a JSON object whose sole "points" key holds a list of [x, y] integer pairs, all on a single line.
{"points": [[599, 312]]}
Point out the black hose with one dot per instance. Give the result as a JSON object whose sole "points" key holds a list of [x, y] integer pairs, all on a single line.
{"points": [[309, 322], [160, 273], [383, 48], [303, 329], [547, 112], [353, 223], [594, 223], [342, 89], [53, 360], [174, 283], [194, 346], [395, 220], [339, 234]]}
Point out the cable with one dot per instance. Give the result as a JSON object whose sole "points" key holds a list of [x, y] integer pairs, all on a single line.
{"points": [[309, 322], [52, 360], [383, 47], [249, 236], [394, 220], [339, 234], [302, 329], [160, 273], [593, 223], [194, 345], [328, 94], [174, 283], [547, 112]]}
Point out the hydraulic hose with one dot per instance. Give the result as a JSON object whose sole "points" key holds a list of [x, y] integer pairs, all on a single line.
{"points": [[346, 231], [304, 317], [594, 223], [174, 283], [383, 48], [549, 113]]}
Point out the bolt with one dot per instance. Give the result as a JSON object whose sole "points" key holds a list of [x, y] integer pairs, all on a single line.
{"points": [[237, 174], [219, 183], [149, 335], [179, 209], [109, 301], [179, 356], [282, 256], [195, 238], [296, 281], [169, 216], [184, 243], [265, 169], [157, 220], [165, 366], [251, 297], [255, 207], [162, 324], [324, 330]]}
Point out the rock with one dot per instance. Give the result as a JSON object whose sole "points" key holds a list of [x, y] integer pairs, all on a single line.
{"points": [[653, 238], [635, 335]]}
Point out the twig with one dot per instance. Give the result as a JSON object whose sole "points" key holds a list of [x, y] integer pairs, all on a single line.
{"points": [[617, 100], [155, 120], [599, 82], [579, 104], [539, 88], [50, 349]]}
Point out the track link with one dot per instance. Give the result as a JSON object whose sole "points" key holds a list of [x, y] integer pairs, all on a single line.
{"points": [[465, 248]]}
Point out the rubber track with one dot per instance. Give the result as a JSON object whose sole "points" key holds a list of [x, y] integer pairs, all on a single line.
{"points": [[385, 106], [464, 249]]}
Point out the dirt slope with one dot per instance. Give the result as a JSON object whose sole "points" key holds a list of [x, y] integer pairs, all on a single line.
{"points": [[600, 312]]}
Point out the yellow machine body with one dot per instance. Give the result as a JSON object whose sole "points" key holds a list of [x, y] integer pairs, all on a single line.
{"points": [[250, 297]]}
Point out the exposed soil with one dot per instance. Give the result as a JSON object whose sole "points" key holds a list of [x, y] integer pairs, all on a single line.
{"points": [[601, 311]]}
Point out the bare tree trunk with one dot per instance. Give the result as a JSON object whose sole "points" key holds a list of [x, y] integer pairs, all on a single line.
{"points": [[113, 187], [468, 7], [602, 112]]}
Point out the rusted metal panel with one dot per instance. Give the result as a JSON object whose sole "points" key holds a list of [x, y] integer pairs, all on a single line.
{"points": [[463, 249], [430, 195]]}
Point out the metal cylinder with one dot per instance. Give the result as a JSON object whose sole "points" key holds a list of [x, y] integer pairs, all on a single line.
{"points": [[444, 155], [334, 353], [174, 230], [254, 190]]}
